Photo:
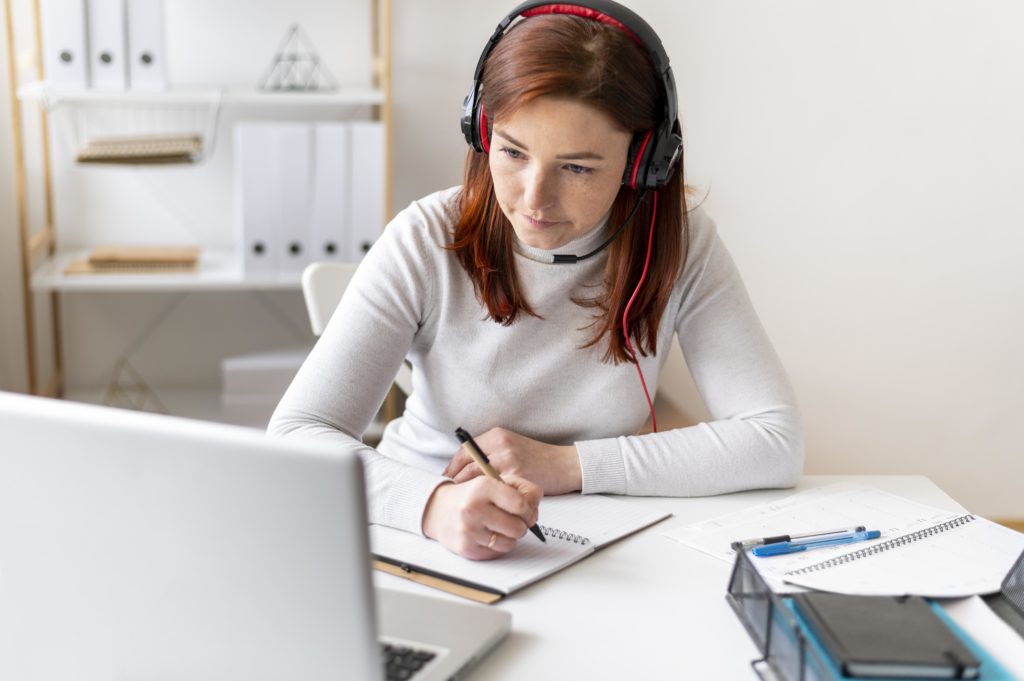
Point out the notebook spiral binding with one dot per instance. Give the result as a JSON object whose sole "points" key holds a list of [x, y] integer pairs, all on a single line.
{"points": [[563, 535], [886, 545]]}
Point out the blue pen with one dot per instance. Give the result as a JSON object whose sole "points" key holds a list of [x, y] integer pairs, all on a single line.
{"points": [[783, 548]]}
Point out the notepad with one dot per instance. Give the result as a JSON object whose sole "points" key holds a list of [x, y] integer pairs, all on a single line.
{"points": [[962, 556], [575, 525], [137, 260], [148, 149]]}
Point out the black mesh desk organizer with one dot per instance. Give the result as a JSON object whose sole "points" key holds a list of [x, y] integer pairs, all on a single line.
{"points": [[1009, 602]]}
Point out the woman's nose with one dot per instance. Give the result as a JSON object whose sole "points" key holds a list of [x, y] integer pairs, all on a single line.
{"points": [[540, 190]]}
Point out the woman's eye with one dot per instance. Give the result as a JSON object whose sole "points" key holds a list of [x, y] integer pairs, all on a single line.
{"points": [[577, 170], [512, 153]]}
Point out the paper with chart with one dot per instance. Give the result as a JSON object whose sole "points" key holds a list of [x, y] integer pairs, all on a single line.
{"points": [[822, 508]]}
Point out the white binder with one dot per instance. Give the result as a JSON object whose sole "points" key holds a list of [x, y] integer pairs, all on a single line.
{"points": [[257, 204], [330, 199], [65, 58], [147, 69], [294, 177], [366, 210], [108, 45]]}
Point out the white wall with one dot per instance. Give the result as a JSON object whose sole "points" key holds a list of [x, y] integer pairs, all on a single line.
{"points": [[865, 162], [862, 160]]}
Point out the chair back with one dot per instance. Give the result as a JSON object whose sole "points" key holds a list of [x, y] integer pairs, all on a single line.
{"points": [[323, 284]]}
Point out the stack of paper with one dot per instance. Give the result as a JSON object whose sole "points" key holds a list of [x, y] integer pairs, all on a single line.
{"points": [[922, 550]]}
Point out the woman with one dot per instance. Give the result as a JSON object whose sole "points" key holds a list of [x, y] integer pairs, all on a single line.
{"points": [[547, 363]]}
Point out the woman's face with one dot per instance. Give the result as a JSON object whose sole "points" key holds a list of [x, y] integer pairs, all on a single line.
{"points": [[557, 166]]}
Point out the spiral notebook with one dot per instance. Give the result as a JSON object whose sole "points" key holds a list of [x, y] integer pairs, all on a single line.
{"points": [[964, 555], [575, 525]]}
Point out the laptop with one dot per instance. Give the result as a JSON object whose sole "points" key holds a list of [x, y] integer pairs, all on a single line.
{"points": [[137, 546]]}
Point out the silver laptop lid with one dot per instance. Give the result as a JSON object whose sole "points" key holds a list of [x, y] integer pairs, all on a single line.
{"points": [[135, 546]]}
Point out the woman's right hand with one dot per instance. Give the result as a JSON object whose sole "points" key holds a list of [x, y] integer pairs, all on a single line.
{"points": [[482, 518]]}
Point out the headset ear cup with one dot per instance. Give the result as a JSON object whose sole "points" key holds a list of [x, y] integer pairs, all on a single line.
{"points": [[483, 135], [663, 156]]}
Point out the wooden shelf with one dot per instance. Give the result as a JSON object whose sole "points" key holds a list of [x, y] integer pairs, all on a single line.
{"points": [[217, 271]]}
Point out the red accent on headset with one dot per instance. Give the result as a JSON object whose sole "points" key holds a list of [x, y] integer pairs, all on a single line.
{"points": [[639, 157], [586, 13], [625, 314], [485, 139]]}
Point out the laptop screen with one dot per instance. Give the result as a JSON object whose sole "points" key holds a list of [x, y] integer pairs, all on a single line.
{"points": [[142, 546]]}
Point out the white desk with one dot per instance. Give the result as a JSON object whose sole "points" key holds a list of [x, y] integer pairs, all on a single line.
{"points": [[646, 607]]}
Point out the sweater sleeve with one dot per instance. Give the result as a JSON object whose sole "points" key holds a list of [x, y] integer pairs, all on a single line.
{"points": [[342, 384], [754, 438]]}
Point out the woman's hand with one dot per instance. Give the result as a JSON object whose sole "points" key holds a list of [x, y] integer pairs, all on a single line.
{"points": [[482, 518], [555, 468]]}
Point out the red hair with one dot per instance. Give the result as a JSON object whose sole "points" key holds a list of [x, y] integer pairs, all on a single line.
{"points": [[602, 66]]}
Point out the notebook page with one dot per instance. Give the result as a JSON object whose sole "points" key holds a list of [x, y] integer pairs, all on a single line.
{"points": [[528, 562], [972, 558], [600, 519]]}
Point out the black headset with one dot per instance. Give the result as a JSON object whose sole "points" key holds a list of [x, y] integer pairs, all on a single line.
{"points": [[653, 155]]}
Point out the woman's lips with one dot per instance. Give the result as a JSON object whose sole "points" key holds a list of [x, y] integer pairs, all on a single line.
{"points": [[540, 224]]}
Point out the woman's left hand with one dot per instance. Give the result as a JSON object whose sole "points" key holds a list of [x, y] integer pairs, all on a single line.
{"points": [[555, 468]]}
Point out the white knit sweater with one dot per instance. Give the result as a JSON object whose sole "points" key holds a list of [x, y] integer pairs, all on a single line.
{"points": [[411, 298]]}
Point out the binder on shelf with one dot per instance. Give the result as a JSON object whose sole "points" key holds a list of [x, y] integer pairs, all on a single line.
{"points": [[147, 69], [256, 196], [65, 54], [366, 210], [108, 45], [330, 200], [294, 177]]}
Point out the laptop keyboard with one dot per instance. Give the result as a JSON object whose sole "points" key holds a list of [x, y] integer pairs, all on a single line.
{"points": [[402, 662]]}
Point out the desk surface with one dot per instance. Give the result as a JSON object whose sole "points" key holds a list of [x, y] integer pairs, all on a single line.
{"points": [[645, 607]]}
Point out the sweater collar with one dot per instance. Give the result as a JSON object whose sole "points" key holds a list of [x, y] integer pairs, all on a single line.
{"points": [[581, 245]]}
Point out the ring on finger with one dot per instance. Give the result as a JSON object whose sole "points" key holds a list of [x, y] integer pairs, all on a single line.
{"points": [[494, 538]]}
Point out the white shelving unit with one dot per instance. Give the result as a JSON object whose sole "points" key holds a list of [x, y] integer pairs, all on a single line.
{"points": [[216, 271], [44, 261], [52, 98]]}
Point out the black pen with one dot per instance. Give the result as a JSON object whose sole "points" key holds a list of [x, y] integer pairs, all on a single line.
{"points": [[481, 460], [751, 543]]}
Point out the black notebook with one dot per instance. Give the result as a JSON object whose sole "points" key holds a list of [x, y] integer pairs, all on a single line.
{"points": [[886, 636]]}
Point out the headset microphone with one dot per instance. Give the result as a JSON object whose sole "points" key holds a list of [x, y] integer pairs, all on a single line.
{"points": [[569, 259]]}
